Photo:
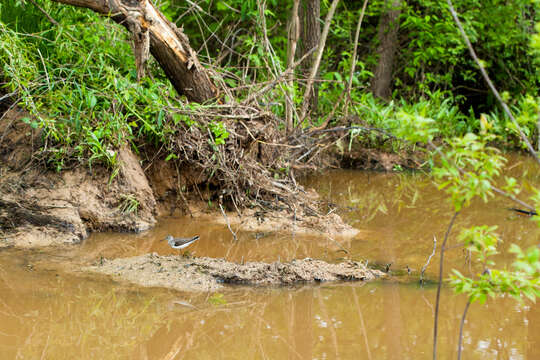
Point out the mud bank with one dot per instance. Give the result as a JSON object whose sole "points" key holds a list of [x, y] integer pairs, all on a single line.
{"points": [[42, 207], [208, 274]]}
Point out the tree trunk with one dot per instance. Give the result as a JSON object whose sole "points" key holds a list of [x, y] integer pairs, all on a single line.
{"points": [[168, 44], [310, 35], [381, 84]]}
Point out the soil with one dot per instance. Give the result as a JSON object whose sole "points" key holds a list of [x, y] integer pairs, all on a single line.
{"points": [[208, 274], [40, 207]]}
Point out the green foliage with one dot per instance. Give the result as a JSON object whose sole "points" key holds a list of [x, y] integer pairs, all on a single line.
{"points": [[436, 57], [219, 132], [482, 241], [78, 82], [467, 169], [217, 299], [523, 280]]}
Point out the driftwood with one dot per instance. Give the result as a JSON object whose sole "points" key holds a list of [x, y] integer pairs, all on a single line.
{"points": [[153, 33]]}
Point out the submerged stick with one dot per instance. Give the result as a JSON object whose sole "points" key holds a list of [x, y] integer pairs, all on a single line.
{"points": [[228, 224], [428, 260]]}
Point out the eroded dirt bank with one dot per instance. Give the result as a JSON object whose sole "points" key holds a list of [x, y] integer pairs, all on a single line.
{"points": [[208, 274], [42, 207]]}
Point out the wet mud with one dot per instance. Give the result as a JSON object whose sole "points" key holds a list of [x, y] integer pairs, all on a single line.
{"points": [[209, 274]]}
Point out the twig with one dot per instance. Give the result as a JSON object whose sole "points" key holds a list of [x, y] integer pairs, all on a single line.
{"points": [[490, 84], [428, 260], [51, 19], [228, 224], [439, 285], [45, 69], [315, 67], [8, 95], [294, 34], [267, 44], [353, 60], [278, 78]]}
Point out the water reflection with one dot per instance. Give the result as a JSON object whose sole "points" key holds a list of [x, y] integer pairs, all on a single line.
{"points": [[50, 316], [48, 313]]}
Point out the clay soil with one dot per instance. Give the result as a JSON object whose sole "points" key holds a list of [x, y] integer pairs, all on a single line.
{"points": [[40, 207], [208, 274]]}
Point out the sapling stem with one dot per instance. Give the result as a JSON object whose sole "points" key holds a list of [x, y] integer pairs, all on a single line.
{"points": [[461, 328], [437, 301]]}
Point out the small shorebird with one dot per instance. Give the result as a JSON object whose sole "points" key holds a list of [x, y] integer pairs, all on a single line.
{"points": [[180, 243]]}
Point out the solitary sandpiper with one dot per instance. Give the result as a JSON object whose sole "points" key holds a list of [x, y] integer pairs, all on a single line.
{"points": [[180, 243]]}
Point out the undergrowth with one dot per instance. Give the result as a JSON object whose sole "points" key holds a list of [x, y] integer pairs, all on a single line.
{"points": [[77, 80]]}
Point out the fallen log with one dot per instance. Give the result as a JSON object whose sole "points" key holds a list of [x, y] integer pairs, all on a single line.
{"points": [[153, 33]]}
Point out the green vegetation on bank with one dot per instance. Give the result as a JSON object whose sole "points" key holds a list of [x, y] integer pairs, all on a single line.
{"points": [[77, 79]]}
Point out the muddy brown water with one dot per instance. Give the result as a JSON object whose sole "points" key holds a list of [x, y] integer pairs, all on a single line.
{"points": [[49, 313]]}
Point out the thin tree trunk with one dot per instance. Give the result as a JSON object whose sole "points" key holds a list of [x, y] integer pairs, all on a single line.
{"points": [[168, 44], [381, 84], [315, 67], [294, 34], [460, 342], [310, 35], [439, 286], [353, 58]]}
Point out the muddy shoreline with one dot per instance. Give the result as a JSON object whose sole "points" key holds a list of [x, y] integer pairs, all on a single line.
{"points": [[209, 274], [41, 208]]}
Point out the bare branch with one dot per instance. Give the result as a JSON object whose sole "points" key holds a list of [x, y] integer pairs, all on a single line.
{"points": [[490, 83], [428, 260], [294, 34], [353, 59], [317, 62]]}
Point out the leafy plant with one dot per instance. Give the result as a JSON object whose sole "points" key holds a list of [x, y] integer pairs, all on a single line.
{"points": [[217, 299]]}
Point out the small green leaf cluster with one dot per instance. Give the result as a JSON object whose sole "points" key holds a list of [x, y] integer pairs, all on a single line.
{"points": [[219, 132], [467, 169], [523, 279], [129, 204]]}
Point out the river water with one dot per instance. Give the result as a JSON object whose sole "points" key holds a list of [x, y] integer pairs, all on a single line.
{"points": [[49, 313]]}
